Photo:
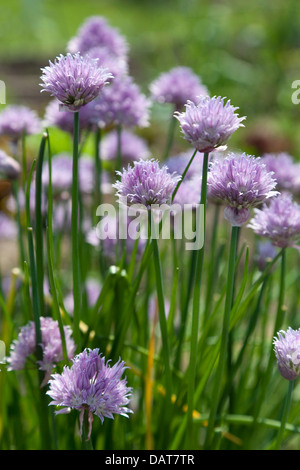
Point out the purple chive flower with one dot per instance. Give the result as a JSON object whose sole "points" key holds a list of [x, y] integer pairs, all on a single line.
{"points": [[287, 352], [133, 147], [116, 64], [179, 163], [146, 183], [241, 182], [10, 169], [61, 173], [91, 385], [208, 123], [283, 166], [189, 192], [55, 116], [122, 103], [74, 80], [96, 31], [8, 227], [279, 221], [15, 120], [177, 86], [24, 346], [266, 251]]}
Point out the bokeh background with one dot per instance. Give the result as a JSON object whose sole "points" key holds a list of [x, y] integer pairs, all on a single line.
{"points": [[246, 51]]}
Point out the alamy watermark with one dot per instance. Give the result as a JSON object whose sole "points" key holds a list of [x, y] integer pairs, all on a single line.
{"points": [[2, 92], [158, 222], [296, 95]]}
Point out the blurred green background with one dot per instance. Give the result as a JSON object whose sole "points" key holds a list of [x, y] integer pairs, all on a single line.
{"points": [[246, 51]]}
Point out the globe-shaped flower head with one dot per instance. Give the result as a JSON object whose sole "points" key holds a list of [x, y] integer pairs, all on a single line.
{"points": [[241, 182], [25, 345], [91, 384], [146, 183], [94, 32], [122, 104], [74, 80], [208, 123], [287, 351], [15, 120], [177, 86], [279, 221], [284, 168]]}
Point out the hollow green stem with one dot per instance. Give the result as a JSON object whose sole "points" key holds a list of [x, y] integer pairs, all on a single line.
{"points": [[75, 234], [285, 414], [224, 335], [183, 175], [163, 326], [196, 311], [39, 224], [170, 137]]}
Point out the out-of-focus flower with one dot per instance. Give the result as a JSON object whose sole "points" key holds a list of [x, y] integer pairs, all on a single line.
{"points": [[8, 227], [287, 351], [25, 346], [61, 174], [241, 182], [177, 86], [122, 103], [266, 251], [133, 147], [91, 385], [283, 166], [146, 183], [74, 80], [279, 221], [10, 169], [116, 64], [16, 120], [209, 123], [95, 31], [178, 163], [55, 116]]}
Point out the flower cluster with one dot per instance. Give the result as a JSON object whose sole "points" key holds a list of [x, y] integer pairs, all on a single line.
{"points": [[177, 86], [94, 32], [279, 221], [242, 182], [133, 147], [16, 120], [74, 80], [208, 123], [91, 384], [287, 351], [122, 104], [146, 183], [25, 345]]}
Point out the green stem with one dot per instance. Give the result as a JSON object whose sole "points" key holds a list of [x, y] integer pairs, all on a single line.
{"points": [[39, 224], [196, 311], [170, 138], [75, 234], [50, 257], [183, 175], [98, 168], [163, 326], [224, 335], [285, 414], [119, 149], [277, 326]]}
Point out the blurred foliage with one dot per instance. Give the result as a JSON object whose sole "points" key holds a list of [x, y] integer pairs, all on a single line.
{"points": [[246, 51]]}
